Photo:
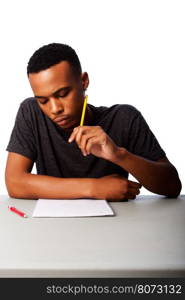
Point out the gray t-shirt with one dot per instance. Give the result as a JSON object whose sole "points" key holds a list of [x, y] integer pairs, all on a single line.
{"points": [[40, 139]]}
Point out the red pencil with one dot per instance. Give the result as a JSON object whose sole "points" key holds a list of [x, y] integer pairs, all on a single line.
{"points": [[15, 210]]}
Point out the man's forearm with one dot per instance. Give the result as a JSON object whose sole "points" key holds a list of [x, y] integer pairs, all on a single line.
{"points": [[31, 186], [158, 177]]}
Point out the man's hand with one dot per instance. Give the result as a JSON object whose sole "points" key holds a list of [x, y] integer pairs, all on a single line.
{"points": [[115, 188], [94, 140]]}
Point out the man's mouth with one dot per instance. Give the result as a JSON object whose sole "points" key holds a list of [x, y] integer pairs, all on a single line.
{"points": [[63, 121], [60, 119]]}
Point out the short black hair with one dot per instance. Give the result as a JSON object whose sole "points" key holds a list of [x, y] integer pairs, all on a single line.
{"points": [[52, 54]]}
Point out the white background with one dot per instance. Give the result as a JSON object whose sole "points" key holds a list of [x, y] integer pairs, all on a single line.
{"points": [[134, 52]]}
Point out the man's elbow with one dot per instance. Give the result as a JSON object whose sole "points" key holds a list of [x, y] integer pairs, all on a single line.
{"points": [[175, 189], [10, 186], [13, 189], [17, 188]]}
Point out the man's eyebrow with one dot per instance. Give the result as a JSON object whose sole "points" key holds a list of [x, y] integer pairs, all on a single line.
{"points": [[54, 93]]}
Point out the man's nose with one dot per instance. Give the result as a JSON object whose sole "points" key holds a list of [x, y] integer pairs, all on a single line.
{"points": [[55, 106]]}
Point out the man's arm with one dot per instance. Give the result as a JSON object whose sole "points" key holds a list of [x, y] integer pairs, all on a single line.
{"points": [[21, 184], [159, 177]]}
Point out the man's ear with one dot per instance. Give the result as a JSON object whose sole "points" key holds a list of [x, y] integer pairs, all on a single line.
{"points": [[85, 80]]}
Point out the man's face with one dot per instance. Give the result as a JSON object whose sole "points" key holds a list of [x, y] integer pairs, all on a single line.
{"points": [[60, 93]]}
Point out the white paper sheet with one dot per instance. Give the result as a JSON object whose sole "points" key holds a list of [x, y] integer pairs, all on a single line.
{"points": [[71, 208]]}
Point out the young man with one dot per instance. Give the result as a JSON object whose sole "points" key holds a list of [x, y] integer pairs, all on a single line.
{"points": [[72, 161]]}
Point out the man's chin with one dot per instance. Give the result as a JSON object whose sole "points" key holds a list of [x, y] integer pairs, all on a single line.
{"points": [[68, 127]]}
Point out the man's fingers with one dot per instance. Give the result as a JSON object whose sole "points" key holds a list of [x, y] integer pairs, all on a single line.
{"points": [[84, 142], [134, 184], [130, 196], [93, 140], [72, 136], [135, 191], [79, 132], [77, 135]]}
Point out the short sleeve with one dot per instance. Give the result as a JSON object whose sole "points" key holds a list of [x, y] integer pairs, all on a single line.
{"points": [[142, 141], [22, 138]]}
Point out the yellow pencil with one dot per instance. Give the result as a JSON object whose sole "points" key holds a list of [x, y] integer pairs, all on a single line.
{"points": [[83, 111]]}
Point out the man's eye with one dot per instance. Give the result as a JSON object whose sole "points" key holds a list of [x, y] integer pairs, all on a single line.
{"points": [[42, 101], [62, 94]]}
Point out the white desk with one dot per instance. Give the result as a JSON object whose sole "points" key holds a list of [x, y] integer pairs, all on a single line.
{"points": [[146, 238]]}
